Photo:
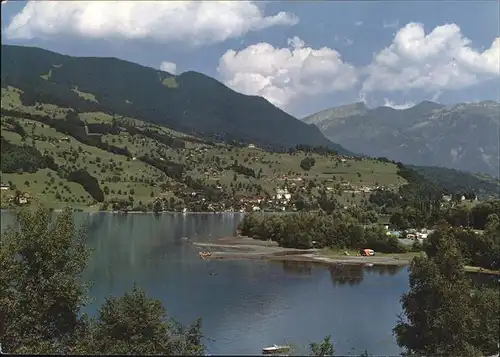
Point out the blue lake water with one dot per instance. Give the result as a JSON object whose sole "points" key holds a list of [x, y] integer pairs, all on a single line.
{"points": [[244, 305]]}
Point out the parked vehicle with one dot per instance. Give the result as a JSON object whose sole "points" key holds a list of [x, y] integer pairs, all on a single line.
{"points": [[367, 252]]}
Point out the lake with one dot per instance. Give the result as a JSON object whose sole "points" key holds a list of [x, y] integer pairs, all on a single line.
{"points": [[244, 305]]}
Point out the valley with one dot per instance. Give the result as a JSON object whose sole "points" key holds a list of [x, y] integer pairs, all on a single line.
{"points": [[95, 146], [162, 191]]}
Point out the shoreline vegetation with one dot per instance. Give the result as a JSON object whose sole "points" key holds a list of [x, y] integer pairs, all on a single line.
{"points": [[240, 247], [345, 232], [45, 317], [14, 210], [244, 247], [134, 323]]}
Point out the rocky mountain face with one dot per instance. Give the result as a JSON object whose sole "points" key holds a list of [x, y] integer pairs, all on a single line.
{"points": [[462, 136]]}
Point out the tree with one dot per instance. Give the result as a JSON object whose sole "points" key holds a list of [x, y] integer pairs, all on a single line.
{"points": [[41, 264], [399, 220], [136, 324], [325, 348], [157, 206], [443, 313], [490, 254], [41, 296], [327, 203], [307, 163]]}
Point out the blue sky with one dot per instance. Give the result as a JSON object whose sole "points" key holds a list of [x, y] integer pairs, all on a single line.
{"points": [[312, 56]]}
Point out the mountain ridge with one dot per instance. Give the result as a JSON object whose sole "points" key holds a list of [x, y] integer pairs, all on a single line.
{"points": [[191, 102], [461, 136], [87, 153]]}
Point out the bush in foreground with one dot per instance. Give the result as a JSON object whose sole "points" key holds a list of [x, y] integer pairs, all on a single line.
{"points": [[41, 297]]}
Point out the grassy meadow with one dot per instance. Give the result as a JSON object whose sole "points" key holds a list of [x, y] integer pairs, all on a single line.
{"points": [[122, 177]]}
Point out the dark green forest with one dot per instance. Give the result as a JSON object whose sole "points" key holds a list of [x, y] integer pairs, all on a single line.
{"points": [[190, 102]]}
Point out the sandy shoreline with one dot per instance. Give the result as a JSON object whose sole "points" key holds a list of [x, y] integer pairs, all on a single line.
{"points": [[248, 248]]}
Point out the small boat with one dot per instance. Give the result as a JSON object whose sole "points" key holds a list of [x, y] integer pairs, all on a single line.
{"points": [[275, 349], [205, 254]]}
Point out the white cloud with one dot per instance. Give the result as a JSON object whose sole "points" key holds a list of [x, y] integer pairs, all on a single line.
{"points": [[391, 104], [282, 75], [358, 23], [439, 61], [165, 21], [169, 67]]}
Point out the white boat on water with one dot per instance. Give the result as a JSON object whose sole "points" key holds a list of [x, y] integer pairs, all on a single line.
{"points": [[275, 349]]}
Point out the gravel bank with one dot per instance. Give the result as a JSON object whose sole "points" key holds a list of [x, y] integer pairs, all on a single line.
{"points": [[248, 248]]}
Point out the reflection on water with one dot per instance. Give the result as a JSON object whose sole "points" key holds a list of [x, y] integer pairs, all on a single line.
{"points": [[353, 274], [385, 269], [341, 273], [297, 267]]}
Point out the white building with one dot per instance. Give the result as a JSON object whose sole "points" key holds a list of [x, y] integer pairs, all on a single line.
{"points": [[282, 194]]}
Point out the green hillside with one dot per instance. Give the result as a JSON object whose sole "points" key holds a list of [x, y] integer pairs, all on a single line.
{"points": [[136, 164], [460, 181], [102, 134], [190, 102]]}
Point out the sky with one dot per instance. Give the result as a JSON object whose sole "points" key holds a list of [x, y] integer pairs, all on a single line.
{"points": [[303, 57]]}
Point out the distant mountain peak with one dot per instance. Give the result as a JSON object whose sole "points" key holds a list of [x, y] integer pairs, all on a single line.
{"points": [[355, 105], [339, 112], [461, 136], [427, 105]]}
